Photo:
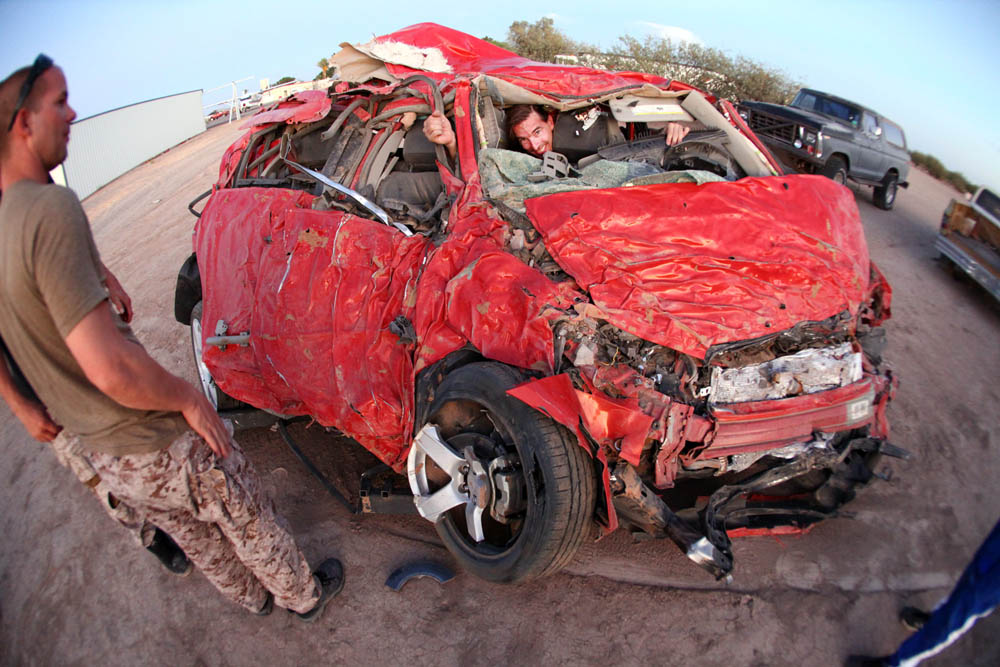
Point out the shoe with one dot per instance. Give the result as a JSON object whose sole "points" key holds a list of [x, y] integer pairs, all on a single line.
{"points": [[330, 579], [171, 555], [913, 618], [268, 606]]}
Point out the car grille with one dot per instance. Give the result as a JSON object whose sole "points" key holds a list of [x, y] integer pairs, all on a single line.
{"points": [[765, 124]]}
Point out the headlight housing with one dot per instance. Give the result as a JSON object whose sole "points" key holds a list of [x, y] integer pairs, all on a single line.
{"points": [[809, 140]]}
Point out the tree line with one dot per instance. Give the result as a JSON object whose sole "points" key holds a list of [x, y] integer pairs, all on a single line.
{"points": [[735, 78]]}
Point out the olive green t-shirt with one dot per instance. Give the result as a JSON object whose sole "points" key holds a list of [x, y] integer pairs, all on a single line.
{"points": [[50, 278]]}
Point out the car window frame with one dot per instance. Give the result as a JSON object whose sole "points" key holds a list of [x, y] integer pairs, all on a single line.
{"points": [[891, 131], [870, 119]]}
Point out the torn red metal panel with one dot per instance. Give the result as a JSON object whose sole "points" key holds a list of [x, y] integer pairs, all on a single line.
{"points": [[498, 304], [690, 266], [305, 106], [683, 426], [607, 420], [878, 301], [885, 392]]}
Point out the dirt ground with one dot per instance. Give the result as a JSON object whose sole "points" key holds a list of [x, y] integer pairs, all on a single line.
{"points": [[74, 589]]}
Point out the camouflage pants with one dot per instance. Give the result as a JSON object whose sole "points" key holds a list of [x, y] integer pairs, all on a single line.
{"points": [[218, 514], [70, 453]]}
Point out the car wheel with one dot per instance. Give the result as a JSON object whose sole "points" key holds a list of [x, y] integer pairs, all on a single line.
{"points": [[511, 492], [885, 194], [836, 170], [216, 396]]}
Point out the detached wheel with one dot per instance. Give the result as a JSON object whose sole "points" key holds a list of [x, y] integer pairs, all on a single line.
{"points": [[510, 491], [836, 170], [885, 194], [216, 396]]}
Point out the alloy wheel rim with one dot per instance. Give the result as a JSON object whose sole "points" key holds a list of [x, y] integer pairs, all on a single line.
{"points": [[208, 386]]}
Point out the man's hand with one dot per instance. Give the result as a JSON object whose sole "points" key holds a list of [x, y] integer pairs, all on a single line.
{"points": [[36, 420], [124, 372], [676, 133], [205, 421], [32, 414], [119, 298], [438, 130]]}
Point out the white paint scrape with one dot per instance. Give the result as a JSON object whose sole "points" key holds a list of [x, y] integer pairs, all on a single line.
{"points": [[429, 59]]}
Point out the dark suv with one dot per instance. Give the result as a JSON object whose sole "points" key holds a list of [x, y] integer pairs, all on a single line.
{"points": [[823, 134]]}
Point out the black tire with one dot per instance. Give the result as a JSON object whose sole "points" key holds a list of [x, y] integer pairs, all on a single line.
{"points": [[221, 400], [472, 406], [836, 170], [885, 194]]}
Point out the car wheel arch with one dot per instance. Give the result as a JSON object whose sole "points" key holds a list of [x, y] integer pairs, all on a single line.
{"points": [[846, 160], [834, 164], [187, 293], [430, 378], [884, 195]]}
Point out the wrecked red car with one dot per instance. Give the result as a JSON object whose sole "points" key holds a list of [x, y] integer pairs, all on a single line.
{"points": [[677, 340]]}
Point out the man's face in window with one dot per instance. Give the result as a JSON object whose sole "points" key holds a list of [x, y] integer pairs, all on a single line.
{"points": [[535, 134]]}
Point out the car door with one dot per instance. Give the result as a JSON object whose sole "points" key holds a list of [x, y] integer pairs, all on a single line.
{"points": [[872, 156], [317, 291]]}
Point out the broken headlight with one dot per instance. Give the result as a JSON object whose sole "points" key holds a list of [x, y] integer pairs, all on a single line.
{"points": [[805, 372]]}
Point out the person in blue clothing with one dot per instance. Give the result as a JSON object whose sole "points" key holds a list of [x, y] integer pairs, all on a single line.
{"points": [[976, 594]]}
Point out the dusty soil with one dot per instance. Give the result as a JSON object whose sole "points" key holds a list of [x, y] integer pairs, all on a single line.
{"points": [[74, 589]]}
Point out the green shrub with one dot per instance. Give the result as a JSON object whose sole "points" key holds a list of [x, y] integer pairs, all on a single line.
{"points": [[935, 168], [706, 68]]}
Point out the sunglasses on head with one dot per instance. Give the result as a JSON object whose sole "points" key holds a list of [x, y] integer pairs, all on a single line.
{"points": [[42, 63]]}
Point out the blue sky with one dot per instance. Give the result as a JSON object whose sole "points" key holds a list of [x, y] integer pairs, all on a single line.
{"points": [[930, 65]]}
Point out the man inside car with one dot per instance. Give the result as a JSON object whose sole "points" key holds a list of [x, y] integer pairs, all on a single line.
{"points": [[533, 129]]}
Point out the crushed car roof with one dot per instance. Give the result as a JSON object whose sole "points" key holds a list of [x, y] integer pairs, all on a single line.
{"points": [[443, 53]]}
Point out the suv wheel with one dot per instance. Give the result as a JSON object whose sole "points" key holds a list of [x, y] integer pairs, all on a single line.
{"points": [[885, 194], [510, 491], [836, 170]]}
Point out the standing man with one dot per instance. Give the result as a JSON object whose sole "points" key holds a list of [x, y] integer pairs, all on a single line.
{"points": [[154, 439]]}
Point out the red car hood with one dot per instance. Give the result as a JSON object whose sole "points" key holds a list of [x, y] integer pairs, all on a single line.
{"points": [[691, 266]]}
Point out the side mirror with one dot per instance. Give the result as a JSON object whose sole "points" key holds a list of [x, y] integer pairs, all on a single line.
{"points": [[878, 131]]}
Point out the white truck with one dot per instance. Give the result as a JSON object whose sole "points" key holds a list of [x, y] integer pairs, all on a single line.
{"points": [[970, 238]]}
